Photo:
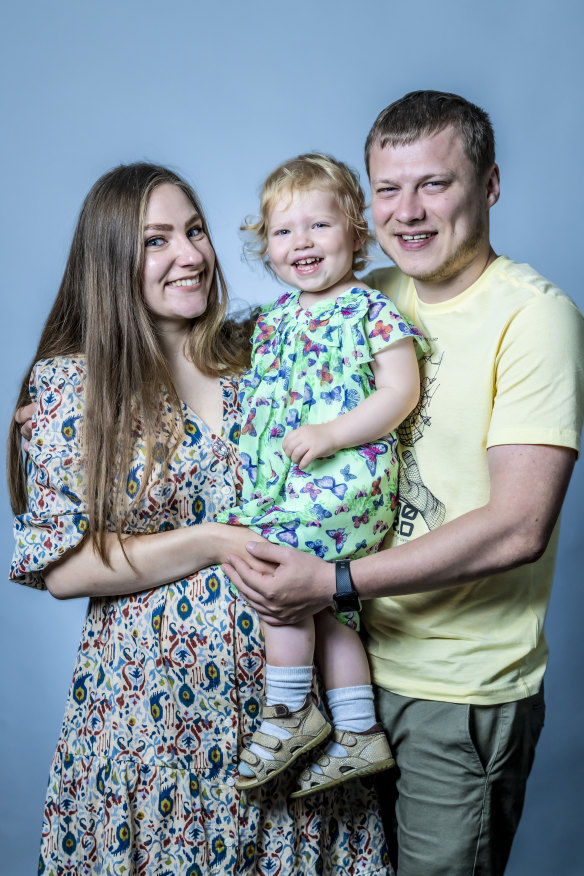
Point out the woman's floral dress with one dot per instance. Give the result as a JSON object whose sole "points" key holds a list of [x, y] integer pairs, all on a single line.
{"points": [[166, 684]]}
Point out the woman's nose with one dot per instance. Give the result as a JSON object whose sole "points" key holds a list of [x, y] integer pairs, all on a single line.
{"points": [[189, 253]]}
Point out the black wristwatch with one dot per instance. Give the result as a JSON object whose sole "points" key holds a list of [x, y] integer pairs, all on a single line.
{"points": [[346, 598]]}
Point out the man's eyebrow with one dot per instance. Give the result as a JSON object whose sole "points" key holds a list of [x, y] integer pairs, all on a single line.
{"points": [[445, 173]]}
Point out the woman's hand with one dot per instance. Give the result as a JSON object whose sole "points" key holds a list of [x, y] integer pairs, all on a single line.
{"points": [[232, 540], [299, 584], [23, 417]]}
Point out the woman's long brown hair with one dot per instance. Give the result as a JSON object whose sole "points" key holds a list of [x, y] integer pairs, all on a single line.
{"points": [[100, 314]]}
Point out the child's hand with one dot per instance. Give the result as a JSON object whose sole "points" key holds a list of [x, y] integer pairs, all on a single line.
{"points": [[308, 443]]}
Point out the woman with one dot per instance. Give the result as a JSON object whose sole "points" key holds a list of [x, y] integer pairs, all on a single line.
{"points": [[134, 443]]}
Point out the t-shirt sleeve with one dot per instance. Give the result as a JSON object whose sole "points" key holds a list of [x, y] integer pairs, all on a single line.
{"points": [[384, 325], [56, 518], [539, 376]]}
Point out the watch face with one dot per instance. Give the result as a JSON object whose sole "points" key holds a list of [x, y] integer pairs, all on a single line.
{"points": [[347, 601]]}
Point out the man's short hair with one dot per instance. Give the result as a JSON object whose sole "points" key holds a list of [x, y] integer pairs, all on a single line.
{"points": [[424, 113]]}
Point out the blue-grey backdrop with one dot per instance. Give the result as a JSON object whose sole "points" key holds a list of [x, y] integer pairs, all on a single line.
{"points": [[223, 91]]}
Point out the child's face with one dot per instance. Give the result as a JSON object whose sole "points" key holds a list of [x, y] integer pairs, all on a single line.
{"points": [[310, 243]]}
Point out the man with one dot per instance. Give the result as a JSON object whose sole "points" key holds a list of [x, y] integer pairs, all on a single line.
{"points": [[455, 610]]}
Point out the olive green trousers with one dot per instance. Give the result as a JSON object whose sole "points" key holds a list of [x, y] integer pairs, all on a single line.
{"points": [[452, 805]]}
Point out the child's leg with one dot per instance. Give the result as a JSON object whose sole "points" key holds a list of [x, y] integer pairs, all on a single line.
{"points": [[291, 723], [359, 746], [340, 654], [292, 645], [289, 659], [343, 663]]}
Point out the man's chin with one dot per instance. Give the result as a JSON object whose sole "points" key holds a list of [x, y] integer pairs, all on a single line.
{"points": [[409, 266], [410, 263], [436, 274]]}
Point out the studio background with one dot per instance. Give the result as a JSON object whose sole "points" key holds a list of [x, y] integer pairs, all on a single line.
{"points": [[223, 92]]}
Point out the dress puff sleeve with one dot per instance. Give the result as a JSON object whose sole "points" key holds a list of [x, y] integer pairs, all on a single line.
{"points": [[384, 325], [56, 518]]}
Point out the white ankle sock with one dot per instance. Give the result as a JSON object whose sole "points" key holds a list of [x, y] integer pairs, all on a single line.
{"points": [[284, 684], [288, 685], [352, 708]]}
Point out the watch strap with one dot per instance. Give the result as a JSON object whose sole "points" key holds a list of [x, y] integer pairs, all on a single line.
{"points": [[346, 599], [343, 578]]}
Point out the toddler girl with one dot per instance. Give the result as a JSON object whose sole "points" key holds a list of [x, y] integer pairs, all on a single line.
{"points": [[334, 372]]}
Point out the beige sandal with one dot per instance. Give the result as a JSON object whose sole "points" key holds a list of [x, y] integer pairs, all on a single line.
{"points": [[308, 728], [367, 753]]}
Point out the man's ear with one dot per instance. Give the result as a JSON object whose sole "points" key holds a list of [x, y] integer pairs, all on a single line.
{"points": [[493, 186]]}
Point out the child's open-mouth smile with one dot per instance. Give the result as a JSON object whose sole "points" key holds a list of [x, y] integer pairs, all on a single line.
{"points": [[310, 243]]}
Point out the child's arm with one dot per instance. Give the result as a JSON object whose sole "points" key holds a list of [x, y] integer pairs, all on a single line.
{"points": [[397, 390]]}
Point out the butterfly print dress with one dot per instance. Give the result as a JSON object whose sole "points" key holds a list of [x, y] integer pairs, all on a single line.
{"points": [[312, 366]]}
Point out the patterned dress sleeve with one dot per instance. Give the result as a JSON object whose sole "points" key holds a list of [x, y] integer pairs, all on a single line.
{"points": [[384, 325], [56, 518]]}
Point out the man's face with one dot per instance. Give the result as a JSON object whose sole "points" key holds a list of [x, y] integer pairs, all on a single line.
{"points": [[431, 212]]}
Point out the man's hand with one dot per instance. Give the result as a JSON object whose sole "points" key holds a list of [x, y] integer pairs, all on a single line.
{"points": [[23, 417], [308, 443], [300, 586]]}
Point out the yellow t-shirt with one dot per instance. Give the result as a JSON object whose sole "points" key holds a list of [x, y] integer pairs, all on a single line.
{"points": [[506, 366]]}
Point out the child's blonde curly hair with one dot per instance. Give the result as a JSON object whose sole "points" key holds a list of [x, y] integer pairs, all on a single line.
{"points": [[312, 170]]}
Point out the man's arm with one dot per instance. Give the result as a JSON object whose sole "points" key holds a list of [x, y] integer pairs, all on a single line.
{"points": [[528, 485], [23, 417]]}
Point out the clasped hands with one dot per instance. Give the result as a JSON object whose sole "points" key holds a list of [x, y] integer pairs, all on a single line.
{"points": [[298, 584]]}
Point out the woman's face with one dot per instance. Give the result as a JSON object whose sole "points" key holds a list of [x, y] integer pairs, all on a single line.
{"points": [[179, 260]]}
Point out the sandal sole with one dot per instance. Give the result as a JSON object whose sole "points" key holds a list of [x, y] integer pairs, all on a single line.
{"points": [[364, 771]]}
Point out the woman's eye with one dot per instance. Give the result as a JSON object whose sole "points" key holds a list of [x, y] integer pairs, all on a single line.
{"points": [[155, 241], [196, 231]]}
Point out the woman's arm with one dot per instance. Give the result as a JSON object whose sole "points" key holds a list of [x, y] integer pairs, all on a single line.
{"points": [[147, 561], [140, 562], [397, 390]]}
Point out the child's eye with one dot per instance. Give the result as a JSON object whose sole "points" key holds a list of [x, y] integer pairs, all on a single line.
{"points": [[280, 232], [320, 225]]}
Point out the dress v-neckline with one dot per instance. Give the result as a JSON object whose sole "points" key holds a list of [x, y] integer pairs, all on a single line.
{"points": [[201, 421]]}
